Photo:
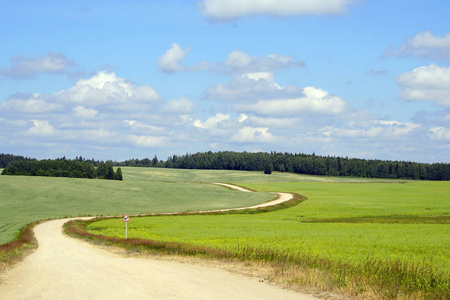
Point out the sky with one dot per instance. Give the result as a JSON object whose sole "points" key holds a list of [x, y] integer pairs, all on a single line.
{"points": [[134, 79]]}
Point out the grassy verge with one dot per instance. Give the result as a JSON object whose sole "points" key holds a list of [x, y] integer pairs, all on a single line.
{"points": [[12, 252]]}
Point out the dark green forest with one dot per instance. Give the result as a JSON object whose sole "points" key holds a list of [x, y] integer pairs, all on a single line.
{"points": [[301, 163], [62, 168], [310, 164], [6, 159]]}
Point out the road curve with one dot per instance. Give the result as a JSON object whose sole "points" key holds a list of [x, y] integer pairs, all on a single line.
{"points": [[68, 268], [282, 197]]}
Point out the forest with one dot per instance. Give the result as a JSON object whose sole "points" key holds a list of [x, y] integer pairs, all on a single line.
{"points": [[310, 164], [301, 163], [62, 168]]}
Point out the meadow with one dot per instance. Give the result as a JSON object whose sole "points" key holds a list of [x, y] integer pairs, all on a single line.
{"points": [[352, 222], [351, 233], [26, 199]]}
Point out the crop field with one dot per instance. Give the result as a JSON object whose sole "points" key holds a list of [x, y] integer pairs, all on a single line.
{"points": [[347, 222], [355, 222], [392, 228], [26, 199]]}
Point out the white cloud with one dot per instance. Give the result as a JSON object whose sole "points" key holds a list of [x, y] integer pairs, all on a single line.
{"points": [[239, 61], [182, 106], [42, 128], [423, 44], [148, 141], [225, 10], [107, 88], [29, 104], [172, 60], [84, 113], [236, 62], [315, 101], [273, 122], [426, 83], [212, 122], [439, 133], [373, 129], [24, 67], [242, 118], [139, 126], [267, 117], [249, 134], [251, 86]]}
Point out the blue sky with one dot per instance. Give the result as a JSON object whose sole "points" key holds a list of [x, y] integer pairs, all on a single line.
{"points": [[131, 79]]}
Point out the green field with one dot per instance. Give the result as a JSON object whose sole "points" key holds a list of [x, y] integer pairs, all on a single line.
{"points": [[409, 222], [363, 224], [374, 226], [26, 199]]}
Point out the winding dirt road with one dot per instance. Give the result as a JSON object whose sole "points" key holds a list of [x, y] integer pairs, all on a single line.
{"points": [[68, 268]]}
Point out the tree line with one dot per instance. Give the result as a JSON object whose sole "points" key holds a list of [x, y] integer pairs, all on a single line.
{"points": [[6, 159], [62, 168], [310, 164], [300, 163]]}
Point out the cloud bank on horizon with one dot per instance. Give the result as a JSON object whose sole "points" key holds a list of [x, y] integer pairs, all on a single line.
{"points": [[135, 79]]}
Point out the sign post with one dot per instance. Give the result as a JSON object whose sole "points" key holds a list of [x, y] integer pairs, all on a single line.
{"points": [[126, 220]]}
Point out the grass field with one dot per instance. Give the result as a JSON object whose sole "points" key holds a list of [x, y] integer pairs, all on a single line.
{"points": [[26, 199], [388, 228], [331, 223], [354, 222]]}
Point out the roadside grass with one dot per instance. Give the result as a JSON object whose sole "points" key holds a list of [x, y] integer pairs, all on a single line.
{"points": [[14, 251], [384, 239]]}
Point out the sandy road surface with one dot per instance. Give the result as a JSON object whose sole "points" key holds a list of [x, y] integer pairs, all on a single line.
{"points": [[282, 197], [67, 268]]}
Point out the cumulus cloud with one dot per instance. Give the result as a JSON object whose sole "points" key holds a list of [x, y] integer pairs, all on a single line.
{"points": [[95, 111], [182, 106], [25, 67], [249, 134], [148, 141], [212, 122], [226, 10], [426, 83], [373, 129], [236, 62], [439, 133], [84, 113], [171, 61], [42, 128], [423, 44], [107, 88], [32, 104], [314, 101], [241, 62], [250, 86], [144, 128]]}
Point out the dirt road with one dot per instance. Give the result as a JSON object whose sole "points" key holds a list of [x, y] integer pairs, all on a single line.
{"points": [[67, 268], [282, 197]]}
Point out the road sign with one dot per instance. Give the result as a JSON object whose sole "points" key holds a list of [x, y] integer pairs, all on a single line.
{"points": [[126, 219]]}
